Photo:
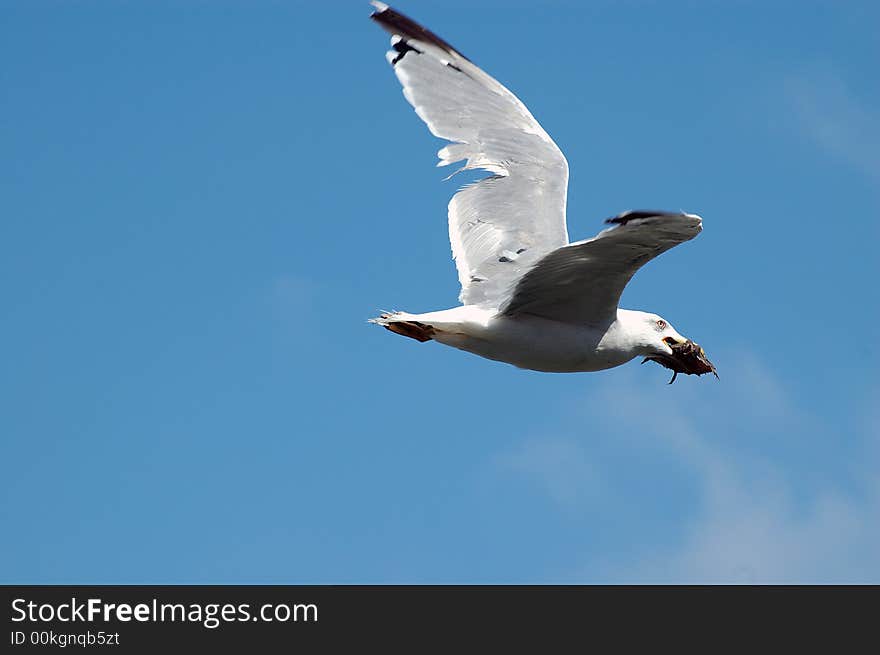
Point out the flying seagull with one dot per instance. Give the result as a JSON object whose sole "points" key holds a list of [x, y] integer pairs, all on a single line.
{"points": [[529, 297]]}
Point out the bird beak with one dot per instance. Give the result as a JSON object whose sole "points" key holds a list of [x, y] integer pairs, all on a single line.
{"points": [[676, 340]]}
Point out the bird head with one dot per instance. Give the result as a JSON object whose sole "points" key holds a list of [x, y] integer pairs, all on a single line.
{"points": [[668, 348]]}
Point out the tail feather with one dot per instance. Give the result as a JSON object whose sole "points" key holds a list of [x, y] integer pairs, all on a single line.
{"points": [[400, 323]]}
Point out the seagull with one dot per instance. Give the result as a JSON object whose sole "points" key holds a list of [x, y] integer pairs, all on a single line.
{"points": [[528, 297]]}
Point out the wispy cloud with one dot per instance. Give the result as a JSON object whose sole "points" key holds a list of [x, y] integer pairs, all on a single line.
{"points": [[759, 534], [834, 115], [558, 465], [757, 515], [292, 298]]}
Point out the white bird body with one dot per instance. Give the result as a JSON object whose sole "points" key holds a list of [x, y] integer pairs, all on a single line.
{"points": [[536, 343], [529, 297]]}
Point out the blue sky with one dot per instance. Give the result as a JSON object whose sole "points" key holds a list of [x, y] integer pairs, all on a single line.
{"points": [[203, 203]]}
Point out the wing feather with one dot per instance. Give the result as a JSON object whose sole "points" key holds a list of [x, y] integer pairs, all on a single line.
{"points": [[502, 225], [582, 282]]}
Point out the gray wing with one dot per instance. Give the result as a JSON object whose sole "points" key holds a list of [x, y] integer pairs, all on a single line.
{"points": [[501, 226], [581, 283]]}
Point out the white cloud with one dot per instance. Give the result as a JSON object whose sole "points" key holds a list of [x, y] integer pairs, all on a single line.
{"points": [[292, 299], [758, 534], [558, 465], [834, 116], [758, 516]]}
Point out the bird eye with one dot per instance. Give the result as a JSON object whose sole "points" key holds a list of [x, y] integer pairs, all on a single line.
{"points": [[661, 324]]}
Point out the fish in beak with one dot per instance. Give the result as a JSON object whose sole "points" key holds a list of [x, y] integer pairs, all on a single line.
{"points": [[687, 357]]}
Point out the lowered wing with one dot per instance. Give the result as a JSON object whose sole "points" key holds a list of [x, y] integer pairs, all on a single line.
{"points": [[581, 283]]}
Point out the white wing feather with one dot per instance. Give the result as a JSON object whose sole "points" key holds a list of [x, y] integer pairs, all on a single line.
{"points": [[501, 226]]}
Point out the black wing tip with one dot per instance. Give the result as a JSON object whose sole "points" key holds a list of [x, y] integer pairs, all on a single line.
{"points": [[395, 23], [379, 8], [634, 214]]}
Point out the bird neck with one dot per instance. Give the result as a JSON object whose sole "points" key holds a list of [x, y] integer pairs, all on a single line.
{"points": [[634, 331]]}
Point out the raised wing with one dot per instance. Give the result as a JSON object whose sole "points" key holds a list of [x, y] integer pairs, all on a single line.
{"points": [[581, 283], [501, 226]]}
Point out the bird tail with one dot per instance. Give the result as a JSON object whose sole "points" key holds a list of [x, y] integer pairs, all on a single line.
{"points": [[403, 324]]}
